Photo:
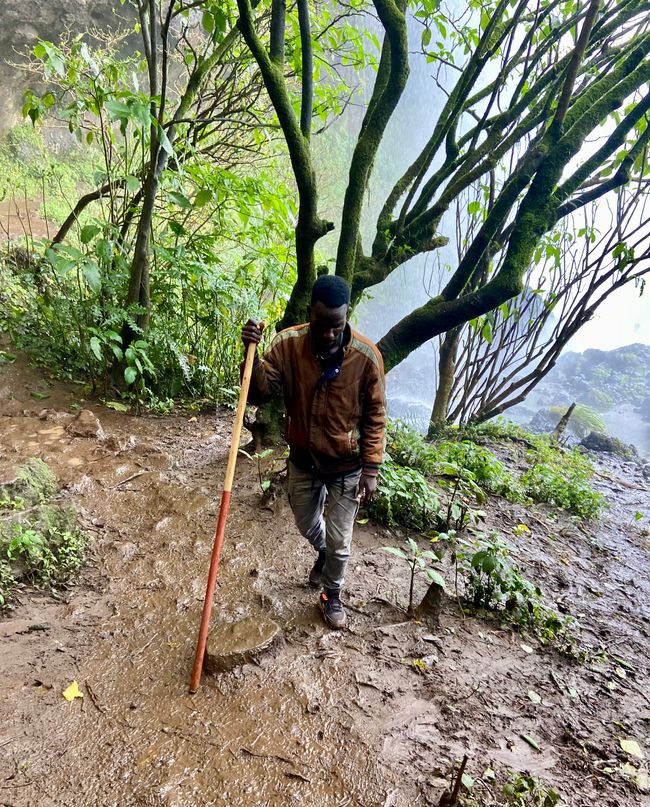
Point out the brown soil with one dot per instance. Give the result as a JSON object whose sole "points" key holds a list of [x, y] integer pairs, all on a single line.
{"points": [[323, 719]]}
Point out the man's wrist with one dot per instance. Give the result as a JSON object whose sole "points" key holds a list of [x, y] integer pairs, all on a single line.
{"points": [[370, 470]]}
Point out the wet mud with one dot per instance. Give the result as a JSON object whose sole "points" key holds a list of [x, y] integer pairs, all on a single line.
{"points": [[322, 719]]}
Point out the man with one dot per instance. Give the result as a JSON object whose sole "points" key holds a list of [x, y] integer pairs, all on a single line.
{"points": [[332, 381]]}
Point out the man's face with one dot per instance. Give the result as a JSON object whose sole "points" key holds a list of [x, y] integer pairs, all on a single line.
{"points": [[326, 326]]}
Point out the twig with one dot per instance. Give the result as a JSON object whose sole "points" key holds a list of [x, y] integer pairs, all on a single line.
{"points": [[94, 699], [128, 479], [267, 756], [467, 697]]}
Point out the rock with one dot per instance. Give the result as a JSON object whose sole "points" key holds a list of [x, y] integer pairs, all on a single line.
{"points": [[596, 441], [52, 415], [541, 423], [86, 424], [232, 644], [113, 443]]}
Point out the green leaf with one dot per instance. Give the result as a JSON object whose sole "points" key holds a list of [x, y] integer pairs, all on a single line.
{"points": [[130, 374], [93, 275], [202, 198], [132, 184], [39, 51], [473, 207], [435, 577], [179, 199], [207, 21], [532, 743], [363, 520], [40, 396], [96, 347], [88, 233], [392, 550], [535, 698], [467, 781], [426, 37]]}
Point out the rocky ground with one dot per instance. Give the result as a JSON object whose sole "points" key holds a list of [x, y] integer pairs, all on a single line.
{"points": [[324, 719]]}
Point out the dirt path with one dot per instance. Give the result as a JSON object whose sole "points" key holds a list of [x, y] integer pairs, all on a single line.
{"points": [[326, 719]]}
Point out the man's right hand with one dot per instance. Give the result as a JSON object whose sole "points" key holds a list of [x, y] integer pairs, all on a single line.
{"points": [[252, 332]]}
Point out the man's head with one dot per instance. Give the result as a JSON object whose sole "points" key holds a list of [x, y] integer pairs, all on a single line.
{"points": [[328, 312]]}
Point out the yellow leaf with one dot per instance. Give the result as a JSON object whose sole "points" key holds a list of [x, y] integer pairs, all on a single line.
{"points": [[419, 665], [523, 527], [192, 420], [565, 561], [72, 692]]}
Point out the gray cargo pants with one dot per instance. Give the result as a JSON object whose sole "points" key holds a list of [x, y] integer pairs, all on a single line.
{"points": [[325, 513]]}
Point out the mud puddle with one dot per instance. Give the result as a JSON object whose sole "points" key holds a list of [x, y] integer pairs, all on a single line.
{"points": [[322, 719]]}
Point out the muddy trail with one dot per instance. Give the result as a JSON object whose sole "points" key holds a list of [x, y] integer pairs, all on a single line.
{"points": [[323, 719]]}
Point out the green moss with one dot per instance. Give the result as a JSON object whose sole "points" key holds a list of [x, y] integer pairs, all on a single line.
{"points": [[41, 545], [34, 483]]}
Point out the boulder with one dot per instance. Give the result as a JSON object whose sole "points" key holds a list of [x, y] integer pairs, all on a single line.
{"points": [[603, 443]]}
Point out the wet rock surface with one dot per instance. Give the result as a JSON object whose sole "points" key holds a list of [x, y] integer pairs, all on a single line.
{"points": [[323, 719], [241, 642]]}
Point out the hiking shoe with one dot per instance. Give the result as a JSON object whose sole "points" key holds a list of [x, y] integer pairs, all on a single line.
{"points": [[317, 570], [332, 608]]}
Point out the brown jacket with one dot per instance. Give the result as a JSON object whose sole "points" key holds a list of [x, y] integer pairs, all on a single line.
{"points": [[339, 425]]}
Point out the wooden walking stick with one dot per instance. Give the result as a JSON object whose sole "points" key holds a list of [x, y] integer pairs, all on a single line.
{"points": [[223, 516]]}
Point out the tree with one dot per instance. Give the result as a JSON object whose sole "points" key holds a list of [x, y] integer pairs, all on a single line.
{"points": [[589, 257], [533, 84], [201, 99]]}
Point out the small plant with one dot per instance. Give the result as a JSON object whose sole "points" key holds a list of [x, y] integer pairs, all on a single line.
{"points": [[492, 582], [419, 560], [7, 583], [405, 498], [523, 790], [259, 456]]}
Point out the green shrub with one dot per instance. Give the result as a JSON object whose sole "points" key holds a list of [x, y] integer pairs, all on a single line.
{"points": [[408, 447], [405, 498], [480, 465], [561, 478], [7, 583]]}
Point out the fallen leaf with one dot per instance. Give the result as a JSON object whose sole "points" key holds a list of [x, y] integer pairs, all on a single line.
{"points": [[632, 748], [535, 698], [192, 420], [363, 520], [489, 775], [526, 648], [419, 665], [40, 396], [565, 561], [72, 692], [117, 406], [468, 781], [573, 692], [530, 742]]}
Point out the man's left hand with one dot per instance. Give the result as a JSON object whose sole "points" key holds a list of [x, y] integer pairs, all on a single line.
{"points": [[367, 487]]}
